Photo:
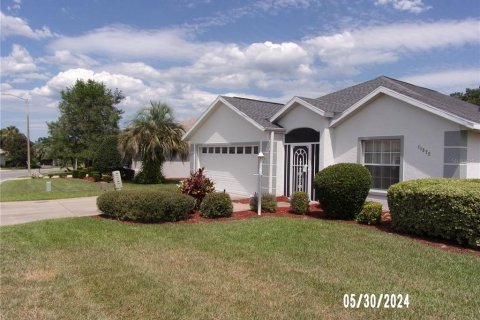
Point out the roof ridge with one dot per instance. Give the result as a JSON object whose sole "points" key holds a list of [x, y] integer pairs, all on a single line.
{"points": [[257, 100], [402, 83]]}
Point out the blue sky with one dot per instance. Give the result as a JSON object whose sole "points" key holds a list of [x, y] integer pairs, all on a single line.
{"points": [[186, 52]]}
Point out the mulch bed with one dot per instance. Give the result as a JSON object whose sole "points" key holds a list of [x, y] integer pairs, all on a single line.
{"points": [[247, 200], [316, 213]]}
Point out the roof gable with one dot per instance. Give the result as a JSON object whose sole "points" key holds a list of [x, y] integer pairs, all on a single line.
{"points": [[417, 103], [342, 100], [254, 111]]}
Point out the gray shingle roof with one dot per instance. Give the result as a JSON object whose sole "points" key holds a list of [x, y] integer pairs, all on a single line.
{"points": [[341, 100], [259, 111]]}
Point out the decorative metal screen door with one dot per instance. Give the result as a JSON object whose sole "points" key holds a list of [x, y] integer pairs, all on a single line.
{"points": [[300, 169]]}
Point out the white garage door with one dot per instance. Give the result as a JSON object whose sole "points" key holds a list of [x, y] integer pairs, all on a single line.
{"points": [[232, 168]]}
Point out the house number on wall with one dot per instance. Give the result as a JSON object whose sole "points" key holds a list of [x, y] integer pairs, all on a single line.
{"points": [[424, 150]]}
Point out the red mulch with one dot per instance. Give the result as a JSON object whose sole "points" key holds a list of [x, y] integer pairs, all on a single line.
{"points": [[247, 200], [316, 213]]}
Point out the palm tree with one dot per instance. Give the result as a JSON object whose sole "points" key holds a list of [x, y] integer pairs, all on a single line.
{"points": [[153, 136]]}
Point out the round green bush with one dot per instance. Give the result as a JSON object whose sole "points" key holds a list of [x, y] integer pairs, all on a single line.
{"points": [[342, 189], [96, 175], [269, 202], [216, 205], [438, 207], [145, 205], [371, 213], [82, 173], [299, 202], [107, 178]]}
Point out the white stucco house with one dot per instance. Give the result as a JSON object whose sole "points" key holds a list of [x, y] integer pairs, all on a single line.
{"points": [[399, 131]]}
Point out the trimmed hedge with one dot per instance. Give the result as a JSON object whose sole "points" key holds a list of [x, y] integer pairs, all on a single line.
{"points": [[269, 203], [342, 189], [299, 202], [445, 208], [145, 205], [107, 178], [371, 213], [216, 205]]}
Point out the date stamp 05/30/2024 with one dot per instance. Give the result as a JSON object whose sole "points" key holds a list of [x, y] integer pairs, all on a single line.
{"points": [[376, 301]]}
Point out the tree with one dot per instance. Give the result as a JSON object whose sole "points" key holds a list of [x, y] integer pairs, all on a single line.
{"points": [[15, 144], [88, 114], [107, 157], [154, 137], [42, 150], [470, 95]]}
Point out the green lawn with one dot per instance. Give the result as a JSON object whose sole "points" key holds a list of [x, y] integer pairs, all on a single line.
{"points": [[268, 268], [34, 189]]}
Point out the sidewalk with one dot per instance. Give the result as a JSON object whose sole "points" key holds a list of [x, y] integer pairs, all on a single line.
{"points": [[17, 212]]}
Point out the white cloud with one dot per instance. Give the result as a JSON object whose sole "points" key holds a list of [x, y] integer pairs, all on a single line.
{"points": [[17, 5], [414, 6], [15, 26], [232, 66], [276, 57], [66, 60], [123, 41], [19, 61], [380, 44], [447, 81], [135, 69], [69, 77]]}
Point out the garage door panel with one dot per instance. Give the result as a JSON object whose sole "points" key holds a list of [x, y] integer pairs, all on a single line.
{"points": [[233, 173]]}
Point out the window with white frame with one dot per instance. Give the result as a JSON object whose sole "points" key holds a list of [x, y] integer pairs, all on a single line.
{"points": [[382, 158]]}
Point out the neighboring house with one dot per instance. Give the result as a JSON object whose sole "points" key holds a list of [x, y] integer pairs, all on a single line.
{"points": [[172, 169], [175, 168], [399, 131], [3, 156]]}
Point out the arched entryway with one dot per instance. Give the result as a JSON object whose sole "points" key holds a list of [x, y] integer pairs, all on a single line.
{"points": [[301, 160]]}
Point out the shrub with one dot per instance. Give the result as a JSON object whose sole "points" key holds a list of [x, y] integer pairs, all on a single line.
{"points": [[445, 208], [126, 173], [299, 202], [342, 189], [371, 213], [107, 156], [107, 178], [197, 186], [150, 173], [96, 175], [216, 205], [269, 202], [145, 205], [75, 174], [82, 173]]}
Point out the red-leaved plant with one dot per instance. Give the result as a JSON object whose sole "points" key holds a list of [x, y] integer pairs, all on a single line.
{"points": [[197, 186]]}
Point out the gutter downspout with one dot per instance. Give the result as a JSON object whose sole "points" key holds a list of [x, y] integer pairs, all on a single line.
{"points": [[270, 166]]}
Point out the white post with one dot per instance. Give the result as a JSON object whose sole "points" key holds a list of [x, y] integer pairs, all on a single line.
{"points": [[259, 193], [27, 107], [270, 167]]}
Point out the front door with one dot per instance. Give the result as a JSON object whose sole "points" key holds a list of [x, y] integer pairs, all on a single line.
{"points": [[300, 169]]}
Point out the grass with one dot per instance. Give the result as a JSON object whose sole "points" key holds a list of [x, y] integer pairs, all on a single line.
{"points": [[269, 268], [34, 189]]}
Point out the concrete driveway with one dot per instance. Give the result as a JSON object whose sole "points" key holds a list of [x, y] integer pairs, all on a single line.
{"points": [[17, 212]]}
